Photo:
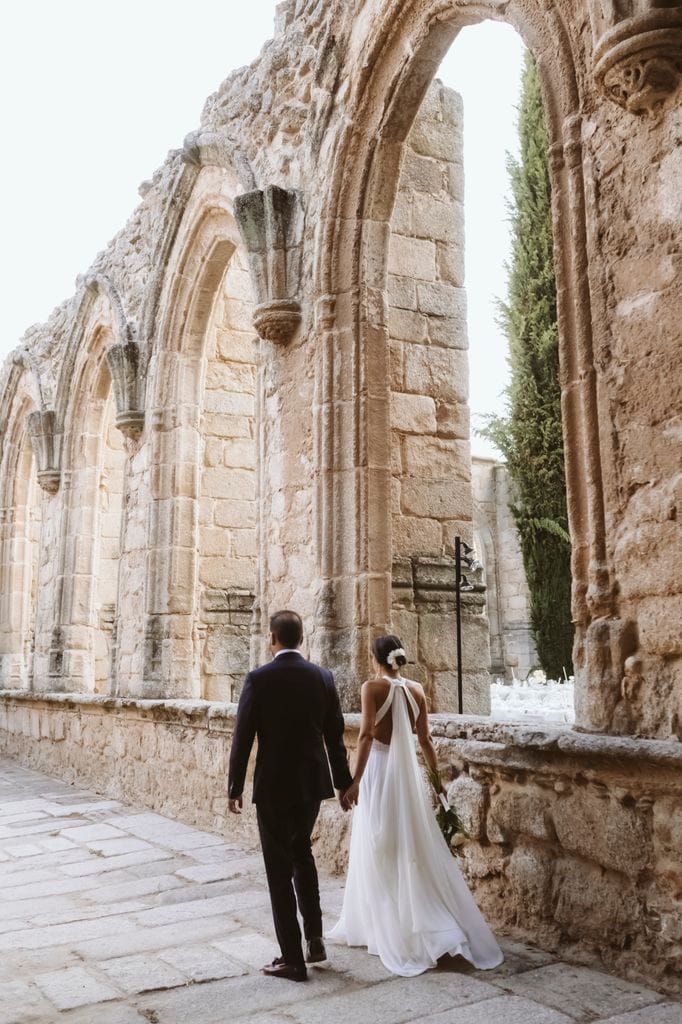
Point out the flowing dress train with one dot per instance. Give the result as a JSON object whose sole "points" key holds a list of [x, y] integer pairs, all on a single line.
{"points": [[405, 897]]}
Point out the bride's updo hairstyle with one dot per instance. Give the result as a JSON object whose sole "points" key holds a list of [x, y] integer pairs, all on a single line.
{"points": [[389, 652]]}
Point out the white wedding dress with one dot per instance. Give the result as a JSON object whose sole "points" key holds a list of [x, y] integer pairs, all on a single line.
{"points": [[405, 897]]}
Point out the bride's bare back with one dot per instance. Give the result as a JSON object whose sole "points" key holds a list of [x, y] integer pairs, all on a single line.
{"points": [[377, 690]]}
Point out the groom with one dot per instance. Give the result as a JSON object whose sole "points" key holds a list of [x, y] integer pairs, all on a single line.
{"points": [[292, 706]]}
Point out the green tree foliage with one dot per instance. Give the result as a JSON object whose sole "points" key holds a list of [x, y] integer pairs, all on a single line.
{"points": [[529, 434]]}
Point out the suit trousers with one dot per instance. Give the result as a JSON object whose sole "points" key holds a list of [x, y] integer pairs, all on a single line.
{"points": [[290, 869]]}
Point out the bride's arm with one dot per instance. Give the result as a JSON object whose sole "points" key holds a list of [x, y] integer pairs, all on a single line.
{"points": [[365, 740], [424, 737]]}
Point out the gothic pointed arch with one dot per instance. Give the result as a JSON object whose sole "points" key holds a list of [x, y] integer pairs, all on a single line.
{"points": [[391, 64], [21, 517], [201, 582]]}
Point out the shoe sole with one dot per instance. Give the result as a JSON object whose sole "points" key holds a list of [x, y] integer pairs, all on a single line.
{"points": [[287, 977]]}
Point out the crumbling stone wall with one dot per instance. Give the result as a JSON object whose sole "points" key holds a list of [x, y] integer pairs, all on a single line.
{"points": [[507, 596], [574, 841], [294, 174], [314, 136]]}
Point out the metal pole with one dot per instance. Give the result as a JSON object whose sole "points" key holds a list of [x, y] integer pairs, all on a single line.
{"points": [[458, 617]]}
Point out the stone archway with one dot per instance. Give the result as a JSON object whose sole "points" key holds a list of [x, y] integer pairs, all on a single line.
{"points": [[396, 61], [94, 464], [20, 551], [201, 573]]}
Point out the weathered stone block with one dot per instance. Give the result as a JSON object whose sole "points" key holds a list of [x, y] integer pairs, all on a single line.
{"points": [[453, 420], [415, 535], [439, 499], [469, 799], [659, 621], [412, 257], [449, 332], [589, 901], [530, 873], [231, 484], [406, 325], [432, 457], [437, 641], [236, 512], [413, 414], [436, 139], [526, 812], [402, 292], [667, 829], [450, 264], [440, 372], [422, 173], [433, 218], [593, 823], [405, 624]]}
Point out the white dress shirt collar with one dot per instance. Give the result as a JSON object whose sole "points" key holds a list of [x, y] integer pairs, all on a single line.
{"points": [[288, 650]]}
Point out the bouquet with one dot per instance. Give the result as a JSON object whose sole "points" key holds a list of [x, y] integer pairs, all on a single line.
{"points": [[449, 821]]}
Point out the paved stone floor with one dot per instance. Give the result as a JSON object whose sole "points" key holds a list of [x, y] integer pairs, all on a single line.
{"points": [[113, 915]]}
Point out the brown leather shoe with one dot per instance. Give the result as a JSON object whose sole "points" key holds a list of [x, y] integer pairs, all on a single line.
{"points": [[316, 952], [280, 969]]}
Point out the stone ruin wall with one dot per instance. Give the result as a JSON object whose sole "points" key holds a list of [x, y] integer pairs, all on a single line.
{"points": [[512, 649], [429, 375], [294, 174], [291, 119], [97, 643], [574, 841]]}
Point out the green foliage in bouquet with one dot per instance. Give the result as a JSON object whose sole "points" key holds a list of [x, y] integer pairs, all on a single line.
{"points": [[449, 821]]}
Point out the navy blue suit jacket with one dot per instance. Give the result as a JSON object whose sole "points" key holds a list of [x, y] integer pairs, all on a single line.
{"points": [[292, 707]]}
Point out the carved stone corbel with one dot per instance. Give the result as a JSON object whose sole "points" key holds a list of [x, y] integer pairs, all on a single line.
{"points": [[41, 427], [271, 224], [127, 380], [637, 53]]}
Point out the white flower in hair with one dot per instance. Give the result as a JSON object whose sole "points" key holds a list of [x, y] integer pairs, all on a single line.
{"points": [[392, 657]]}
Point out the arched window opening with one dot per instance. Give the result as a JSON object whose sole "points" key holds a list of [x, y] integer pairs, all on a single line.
{"points": [[447, 356], [109, 499], [227, 531], [22, 518]]}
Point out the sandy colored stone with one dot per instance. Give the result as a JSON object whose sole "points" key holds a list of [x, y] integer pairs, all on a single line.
{"points": [[107, 489]]}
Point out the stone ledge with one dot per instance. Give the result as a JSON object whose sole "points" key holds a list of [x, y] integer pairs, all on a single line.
{"points": [[479, 738]]}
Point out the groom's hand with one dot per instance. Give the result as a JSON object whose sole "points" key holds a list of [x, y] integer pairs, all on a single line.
{"points": [[235, 805], [349, 797]]}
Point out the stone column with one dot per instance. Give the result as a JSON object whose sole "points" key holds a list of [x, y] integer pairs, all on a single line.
{"points": [[169, 668]]}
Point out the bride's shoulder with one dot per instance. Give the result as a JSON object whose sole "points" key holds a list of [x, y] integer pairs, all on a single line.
{"points": [[416, 688], [373, 683]]}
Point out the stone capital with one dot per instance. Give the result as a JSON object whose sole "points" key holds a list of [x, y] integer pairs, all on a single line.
{"points": [[637, 53], [41, 427], [128, 382], [270, 222]]}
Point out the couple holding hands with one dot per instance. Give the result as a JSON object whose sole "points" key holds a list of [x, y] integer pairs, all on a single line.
{"points": [[405, 898]]}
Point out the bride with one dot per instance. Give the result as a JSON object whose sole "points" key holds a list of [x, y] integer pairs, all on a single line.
{"points": [[405, 898]]}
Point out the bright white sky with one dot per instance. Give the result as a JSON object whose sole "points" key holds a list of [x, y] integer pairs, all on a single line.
{"points": [[93, 97]]}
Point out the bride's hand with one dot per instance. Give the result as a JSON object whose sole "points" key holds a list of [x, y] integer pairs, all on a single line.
{"points": [[350, 796]]}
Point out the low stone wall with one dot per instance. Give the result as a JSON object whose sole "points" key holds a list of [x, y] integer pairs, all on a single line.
{"points": [[575, 840]]}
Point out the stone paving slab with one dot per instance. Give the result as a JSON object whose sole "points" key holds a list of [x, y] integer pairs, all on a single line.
{"points": [[117, 916]]}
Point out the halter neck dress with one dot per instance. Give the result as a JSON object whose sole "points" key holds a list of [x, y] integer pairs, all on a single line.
{"points": [[405, 897]]}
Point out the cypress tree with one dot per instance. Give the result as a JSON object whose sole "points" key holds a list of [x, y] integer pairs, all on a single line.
{"points": [[529, 434]]}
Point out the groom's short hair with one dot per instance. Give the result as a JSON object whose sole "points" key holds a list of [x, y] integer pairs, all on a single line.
{"points": [[287, 628]]}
